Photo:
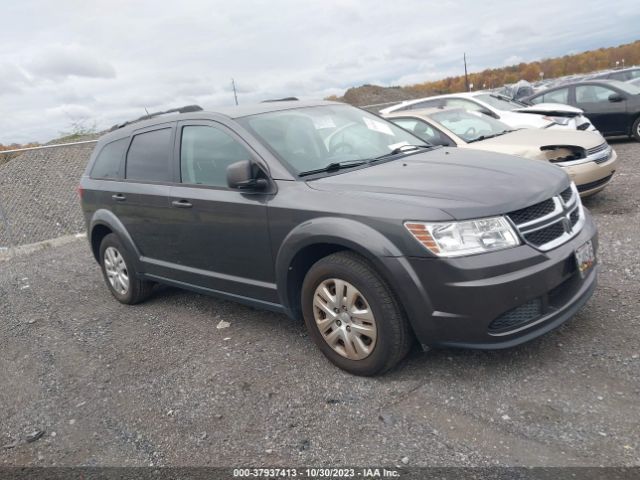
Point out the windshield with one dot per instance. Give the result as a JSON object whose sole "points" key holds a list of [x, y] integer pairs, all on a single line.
{"points": [[501, 103], [313, 138], [470, 126]]}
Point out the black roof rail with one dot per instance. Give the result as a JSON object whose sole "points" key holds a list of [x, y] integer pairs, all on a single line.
{"points": [[185, 109], [285, 99]]}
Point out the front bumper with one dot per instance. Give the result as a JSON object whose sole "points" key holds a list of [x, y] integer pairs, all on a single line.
{"points": [[457, 302], [591, 177]]}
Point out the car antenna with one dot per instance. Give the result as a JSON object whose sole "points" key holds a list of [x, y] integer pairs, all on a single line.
{"points": [[146, 111]]}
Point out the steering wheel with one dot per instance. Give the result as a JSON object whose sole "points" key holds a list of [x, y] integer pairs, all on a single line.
{"points": [[471, 132], [341, 147]]}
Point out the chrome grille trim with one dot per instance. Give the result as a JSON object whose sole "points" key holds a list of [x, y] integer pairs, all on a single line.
{"points": [[597, 149], [600, 154], [564, 214]]}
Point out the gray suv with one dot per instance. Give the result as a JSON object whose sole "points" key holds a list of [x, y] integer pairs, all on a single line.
{"points": [[336, 216]]}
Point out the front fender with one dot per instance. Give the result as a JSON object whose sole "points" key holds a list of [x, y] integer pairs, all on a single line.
{"points": [[344, 232], [364, 240], [108, 219]]}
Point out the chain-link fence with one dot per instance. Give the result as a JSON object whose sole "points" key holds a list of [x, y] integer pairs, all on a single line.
{"points": [[38, 199]]}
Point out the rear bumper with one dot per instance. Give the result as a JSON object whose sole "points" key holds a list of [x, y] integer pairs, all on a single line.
{"points": [[458, 302]]}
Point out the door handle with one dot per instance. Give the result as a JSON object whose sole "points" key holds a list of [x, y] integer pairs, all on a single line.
{"points": [[182, 204], [118, 197]]}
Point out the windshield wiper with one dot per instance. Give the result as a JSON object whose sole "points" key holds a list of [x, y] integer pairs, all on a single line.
{"points": [[402, 149], [485, 137], [332, 167]]}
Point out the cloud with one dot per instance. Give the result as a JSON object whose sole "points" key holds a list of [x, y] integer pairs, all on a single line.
{"points": [[107, 60], [61, 61], [12, 79]]}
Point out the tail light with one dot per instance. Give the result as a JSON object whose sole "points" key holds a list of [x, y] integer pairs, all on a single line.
{"points": [[80, 192]]}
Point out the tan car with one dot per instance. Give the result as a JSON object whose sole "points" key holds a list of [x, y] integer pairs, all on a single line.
{"points": [[586, 156]]}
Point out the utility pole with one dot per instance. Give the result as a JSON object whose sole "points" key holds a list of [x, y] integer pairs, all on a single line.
{"points": [[235, 94], [466, 77]]}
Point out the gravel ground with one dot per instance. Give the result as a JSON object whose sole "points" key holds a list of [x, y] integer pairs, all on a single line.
{"points": [[162, 384]]}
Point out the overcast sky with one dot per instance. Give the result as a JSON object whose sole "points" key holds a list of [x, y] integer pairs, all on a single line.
{"points": [[96, 61]]}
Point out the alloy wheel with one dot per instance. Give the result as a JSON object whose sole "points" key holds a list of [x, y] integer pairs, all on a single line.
{"points": [[116, 269], [345, 319]]}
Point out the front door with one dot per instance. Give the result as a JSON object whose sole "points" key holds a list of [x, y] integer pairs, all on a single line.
{"points": [[607, 116], [220, 237]]}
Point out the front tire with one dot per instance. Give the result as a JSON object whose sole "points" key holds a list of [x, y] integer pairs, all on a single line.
{"points": [[120, 274], [353, 316]]}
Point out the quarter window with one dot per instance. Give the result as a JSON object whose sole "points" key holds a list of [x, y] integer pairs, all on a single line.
{"points": [[205, 154], [149, 156], [107, 165]]}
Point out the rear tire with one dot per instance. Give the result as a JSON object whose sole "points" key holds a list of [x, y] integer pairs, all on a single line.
{"points": [[635, 130], [362, 330], [120, 274]]}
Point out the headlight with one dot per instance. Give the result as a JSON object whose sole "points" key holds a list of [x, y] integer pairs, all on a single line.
{"points": [[454, 239]]}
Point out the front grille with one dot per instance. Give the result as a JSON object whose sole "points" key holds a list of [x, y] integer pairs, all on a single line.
{"points": [[533, 212], [602, 153], [545, 235], [574, 217], [552, 222], [591, 185], [600, 148], [520, 315], [566, 194]]}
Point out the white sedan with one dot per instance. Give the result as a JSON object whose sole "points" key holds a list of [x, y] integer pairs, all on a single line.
{"points": [[511, 112]]}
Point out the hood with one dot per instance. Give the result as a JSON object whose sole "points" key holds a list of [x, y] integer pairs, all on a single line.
{"points": [[462, 183], [554, 109], [527, 142]]}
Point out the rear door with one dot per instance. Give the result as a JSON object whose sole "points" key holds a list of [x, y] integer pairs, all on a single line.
{"points": [[141, 201], [607, 116], [220, 237]]}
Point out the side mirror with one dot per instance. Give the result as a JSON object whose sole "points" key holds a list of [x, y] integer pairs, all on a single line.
{"points": [[241, 176], [615, 98]]}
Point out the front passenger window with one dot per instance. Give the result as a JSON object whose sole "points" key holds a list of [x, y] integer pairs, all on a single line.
{"points": [[592, 94], [205, 154]]}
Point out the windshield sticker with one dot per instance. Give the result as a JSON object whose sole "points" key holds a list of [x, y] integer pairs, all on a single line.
{"points": [[324, 121], [377, 126], [397, 145]]}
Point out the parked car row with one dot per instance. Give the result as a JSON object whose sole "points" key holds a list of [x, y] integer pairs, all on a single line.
{"points": [[513, 113], [373, 236], [585, 156], [612, 106], [546, 130]]}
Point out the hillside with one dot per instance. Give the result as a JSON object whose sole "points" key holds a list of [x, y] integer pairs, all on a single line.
{"points": [[584, 62]]}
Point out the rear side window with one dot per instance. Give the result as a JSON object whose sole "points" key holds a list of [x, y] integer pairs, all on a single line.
{"points": [[205, 154], [107, 164], [148, 157]]}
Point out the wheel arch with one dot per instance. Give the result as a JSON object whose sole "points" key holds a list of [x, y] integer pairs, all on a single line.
{"points": [[318, 238], [103, 222]]}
